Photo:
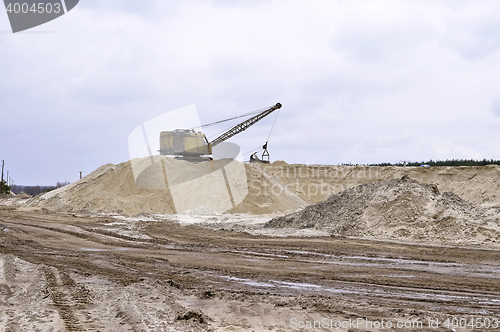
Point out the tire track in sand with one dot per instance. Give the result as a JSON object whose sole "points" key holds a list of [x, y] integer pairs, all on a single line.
{"points": [[71, 300], [5, 290]]}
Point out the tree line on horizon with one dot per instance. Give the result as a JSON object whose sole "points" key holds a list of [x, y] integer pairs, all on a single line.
{"points": [[447, 162], [35, 190]]}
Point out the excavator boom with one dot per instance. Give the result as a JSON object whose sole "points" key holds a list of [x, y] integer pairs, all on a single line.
{"points": [[243, 126]]}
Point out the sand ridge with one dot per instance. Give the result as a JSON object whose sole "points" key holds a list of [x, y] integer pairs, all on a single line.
{"points": [[260, 189], [398, 209]]}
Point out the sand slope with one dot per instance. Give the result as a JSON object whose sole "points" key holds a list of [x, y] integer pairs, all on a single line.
{"points": [[313, 183], [110, 188], [138, 186], [398, 209]]}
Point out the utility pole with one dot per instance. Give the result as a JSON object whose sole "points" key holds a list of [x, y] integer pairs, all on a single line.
{"points": [[1, 182]]}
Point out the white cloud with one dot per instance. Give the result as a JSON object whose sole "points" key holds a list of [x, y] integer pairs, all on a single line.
{"points": [[364, 81]]}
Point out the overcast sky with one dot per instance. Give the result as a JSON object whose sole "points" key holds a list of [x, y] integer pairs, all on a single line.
{"points": [[360, 81]]}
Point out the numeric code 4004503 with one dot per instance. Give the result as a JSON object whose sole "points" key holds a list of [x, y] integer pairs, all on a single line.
{"points": [[36, 8], [473, 323]]}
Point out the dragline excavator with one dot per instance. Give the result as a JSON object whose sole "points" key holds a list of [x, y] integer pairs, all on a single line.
{"points": [[194, 146]]}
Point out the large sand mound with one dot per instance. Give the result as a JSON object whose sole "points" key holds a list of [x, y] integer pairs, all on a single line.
{"points": [[139, 186], [166, 186], [398, 209], [110, 188], [479, 185]]}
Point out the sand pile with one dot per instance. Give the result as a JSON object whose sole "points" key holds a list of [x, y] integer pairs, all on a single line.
{"points": [[166, 186], [398, 209], [110, 188], [267, 195], [479, 185]]}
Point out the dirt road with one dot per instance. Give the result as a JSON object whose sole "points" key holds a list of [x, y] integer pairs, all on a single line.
{"points": [[62, 272]]}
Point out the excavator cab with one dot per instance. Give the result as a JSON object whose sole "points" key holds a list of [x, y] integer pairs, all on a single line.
{"points": [[184, 142]]}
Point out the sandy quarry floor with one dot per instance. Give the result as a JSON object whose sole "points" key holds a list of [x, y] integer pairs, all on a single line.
{"points": [[64, 272]]}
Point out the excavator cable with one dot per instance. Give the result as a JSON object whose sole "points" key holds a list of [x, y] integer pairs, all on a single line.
{"points": [[220, 132], [259, 148], [270, 132], [229, 119], [276, 118], [244, 125]]}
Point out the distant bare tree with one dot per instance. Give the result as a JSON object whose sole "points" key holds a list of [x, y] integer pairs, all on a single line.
{"points": [[61, 184]]}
